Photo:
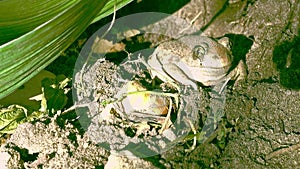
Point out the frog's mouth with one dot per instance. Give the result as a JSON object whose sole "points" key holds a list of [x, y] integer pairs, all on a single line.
{"points": [[206, 75]]}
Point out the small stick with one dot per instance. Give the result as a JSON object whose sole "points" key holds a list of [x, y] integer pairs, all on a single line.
{"points": [[167, 120], [195, 137], [283, 150]]}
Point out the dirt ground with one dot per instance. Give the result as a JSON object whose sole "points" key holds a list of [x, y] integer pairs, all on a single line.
{"points": [[261, 121]]}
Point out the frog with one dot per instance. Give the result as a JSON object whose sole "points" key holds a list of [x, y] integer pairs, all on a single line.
{"points": [[187, 61], [196, 58]]}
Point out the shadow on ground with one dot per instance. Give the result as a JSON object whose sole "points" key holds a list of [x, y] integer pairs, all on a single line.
{"points": [[287, 58]]}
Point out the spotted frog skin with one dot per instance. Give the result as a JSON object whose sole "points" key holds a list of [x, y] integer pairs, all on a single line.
{"points": [[195, 58]]}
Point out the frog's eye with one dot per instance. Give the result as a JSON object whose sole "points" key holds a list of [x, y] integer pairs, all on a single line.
{"points": [[199, 51]]}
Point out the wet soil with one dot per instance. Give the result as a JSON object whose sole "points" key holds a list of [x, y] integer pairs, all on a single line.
{"points": [[261, 122]]}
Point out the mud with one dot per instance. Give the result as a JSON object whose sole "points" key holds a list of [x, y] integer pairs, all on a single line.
{"points": [[260, 128]]}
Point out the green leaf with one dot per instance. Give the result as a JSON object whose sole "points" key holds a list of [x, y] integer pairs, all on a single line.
{"points": [[14, 115], [10, 118], [56, 99], [10, 114], [47, 29], [54, 92]]}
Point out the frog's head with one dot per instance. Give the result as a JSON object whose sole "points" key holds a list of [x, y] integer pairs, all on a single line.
{"points": [[208, 52]]}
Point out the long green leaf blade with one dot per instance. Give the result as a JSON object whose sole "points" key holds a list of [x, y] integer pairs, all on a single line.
{"points": [[24, 57], [19, 17], [109, 8]]}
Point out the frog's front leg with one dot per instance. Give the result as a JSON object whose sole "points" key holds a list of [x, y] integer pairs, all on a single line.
{"points": [[239, 74], [242, 69], [179, 76]]}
